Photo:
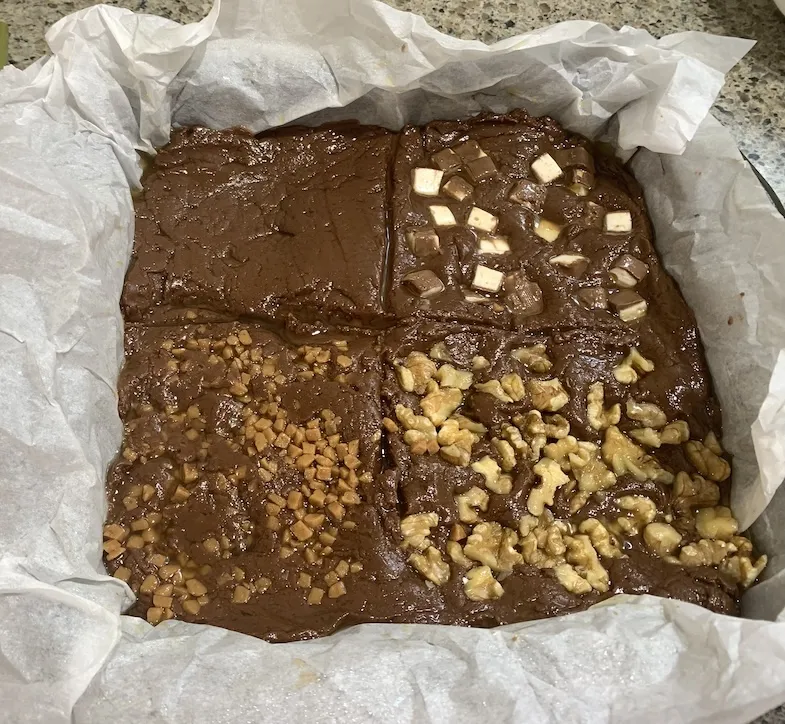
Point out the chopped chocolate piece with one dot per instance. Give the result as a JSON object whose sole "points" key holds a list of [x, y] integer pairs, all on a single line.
{"points": [[593, 215], [447, 160], [426, 181], [458, 188], [575, 263], [628, 305], [618, 222], [623, 278], [581, 181], [423, 284], [481, 168], [523, 297], [493, 245], [577, 156], [487, 279], [423, 242], [639, 269], [593, 297], [547, 230], [482, 220], [442, 215], [529, 194], [546, 169], [469, 151]]}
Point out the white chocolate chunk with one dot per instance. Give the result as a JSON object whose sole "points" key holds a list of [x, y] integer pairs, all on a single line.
{"points": [[623, 278], [482, 220], [568, 260], [487, 279], [618, 222], [427, 181], [547, 230], [546, 169], [493, 245], [634, 311], [442, 216]]}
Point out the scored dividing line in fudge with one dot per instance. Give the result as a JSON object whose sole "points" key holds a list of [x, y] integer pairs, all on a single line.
{"points": [[512, 221], [248, 494], [244, 226], [526, 461]]}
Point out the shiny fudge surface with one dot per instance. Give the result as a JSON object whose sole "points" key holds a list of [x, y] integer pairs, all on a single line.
{"points": [[342, 405]]}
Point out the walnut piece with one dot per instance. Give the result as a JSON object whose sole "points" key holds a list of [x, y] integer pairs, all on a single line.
{"points": [[602, 540], [674, 433], [628, 371], [552, 477], [592, 475], [512, 384], [449, 376], [646, 413], [457, 555], [643, 512], [456, 441], [743, 570], [467, 502], [571, 580], [440, 404], [431, 566], [661, 538], [488, 468], [694, 492], [416, 528], [716, 523], [707, 463], [456, 455], [494, 388], [542, 540], [494, 546], [622, 455], [581, 553], [705, 553], [506, 453], [440, 352], [422, 369], [599, 417], [548, 395], [480, 585], [560, 451], [534, 358], [411, 421]]}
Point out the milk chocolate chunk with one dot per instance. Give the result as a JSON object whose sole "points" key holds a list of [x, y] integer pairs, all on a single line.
{"points": [[580, 181], [458, 188], [447, 160], [639, 269], [529, 194], [469, 151], [423, 284], [628, 305], [481, 168], [593, 297], [575, 264], [423, 242], [523, 296], [577, 156]]}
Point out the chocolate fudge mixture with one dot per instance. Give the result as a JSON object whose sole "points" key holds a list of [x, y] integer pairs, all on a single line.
{"points": [[436, 376]]}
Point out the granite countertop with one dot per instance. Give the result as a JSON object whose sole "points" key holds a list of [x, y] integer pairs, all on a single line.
{"points": [[751, 103]]}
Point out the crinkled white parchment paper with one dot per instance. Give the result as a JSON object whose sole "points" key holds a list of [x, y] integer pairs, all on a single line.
{"points": [[69, 128]]}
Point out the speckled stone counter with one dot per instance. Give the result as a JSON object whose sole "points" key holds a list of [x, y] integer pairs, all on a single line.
{"points": [[752, 103]]}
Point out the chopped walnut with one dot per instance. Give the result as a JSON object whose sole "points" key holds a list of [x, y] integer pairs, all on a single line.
{"points": [[411, 421], [716, 523], [627, 371], [624, 456], [674, 433], [431, 566], [533, 358], [480, 363], [643, 512], [556, 426], [488, 468], [494, 546], [441, 403], [480, 585], [548, 395], [532, 428], [457, 555], [494, 388], [542, 540], [599, 417], [661, 538], [451, 433], [694, 492], [449, 376], [422, 369], [506, 453], [551, 477], [571, 580], [513, 436], [592, 475], [602, 540], [581, 553], [742, 569], [405, 378], [416, 528], [711, 442], [440, 352], [707, 463], [512, 384], [456, 455], [647, 413], [646, 436], [467, 502], [578, 500], [560, 451], [705, 553], [466, 423]]}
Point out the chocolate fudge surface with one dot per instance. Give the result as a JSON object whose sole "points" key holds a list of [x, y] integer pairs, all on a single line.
{"points": [[344, 405], [239, 226]]}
